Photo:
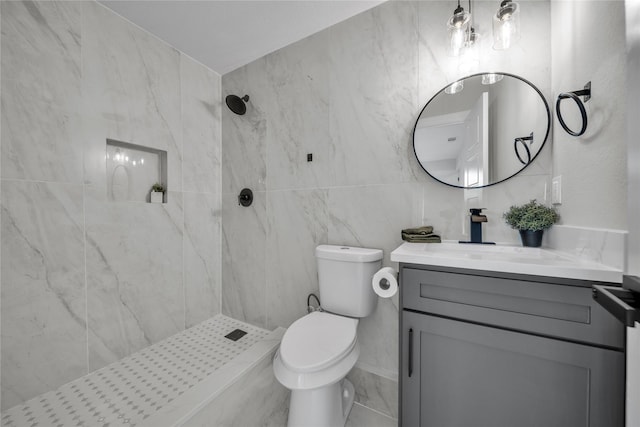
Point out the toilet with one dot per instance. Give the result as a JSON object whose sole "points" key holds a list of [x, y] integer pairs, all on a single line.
{"points": [[318, 350]]}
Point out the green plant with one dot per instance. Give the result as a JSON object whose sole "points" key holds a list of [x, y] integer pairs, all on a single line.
{"points": [[531, 216], [158, 187]]}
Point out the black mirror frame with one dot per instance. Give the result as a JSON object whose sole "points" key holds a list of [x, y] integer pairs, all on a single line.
{"points": [[546, 135]]}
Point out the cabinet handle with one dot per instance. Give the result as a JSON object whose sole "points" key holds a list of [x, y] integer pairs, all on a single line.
{"points": [[410, 352]]}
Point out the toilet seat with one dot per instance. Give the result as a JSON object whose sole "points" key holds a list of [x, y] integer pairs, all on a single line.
{"points": [[316, 341], [317, 350]]}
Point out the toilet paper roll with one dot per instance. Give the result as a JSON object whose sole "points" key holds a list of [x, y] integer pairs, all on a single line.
{"points": [[385, 282]]}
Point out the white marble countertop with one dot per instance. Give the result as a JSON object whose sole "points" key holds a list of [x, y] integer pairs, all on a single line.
{"points": [[506, 259]]}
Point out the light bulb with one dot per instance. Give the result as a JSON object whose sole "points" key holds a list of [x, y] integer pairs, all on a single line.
{"points": [[505, 35], [458, 26], [457, 41]]}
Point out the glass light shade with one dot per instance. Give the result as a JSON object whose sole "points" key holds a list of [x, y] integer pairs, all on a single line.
{"points": [[472, 37], [469, 59], [454, 87], [506, 25], [491, 78], [458, 25]]}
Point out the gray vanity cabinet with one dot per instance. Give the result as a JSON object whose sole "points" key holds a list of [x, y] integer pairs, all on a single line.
{"points": [[502, 350]]}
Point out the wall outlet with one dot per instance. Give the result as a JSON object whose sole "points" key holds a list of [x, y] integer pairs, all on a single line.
{"points": [[556, 190]]}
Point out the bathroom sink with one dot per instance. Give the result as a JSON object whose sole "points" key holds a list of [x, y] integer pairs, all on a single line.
{"points": [[504, 258]]}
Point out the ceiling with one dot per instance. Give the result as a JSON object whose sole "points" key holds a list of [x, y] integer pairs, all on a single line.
{"points": [[225, 35]]}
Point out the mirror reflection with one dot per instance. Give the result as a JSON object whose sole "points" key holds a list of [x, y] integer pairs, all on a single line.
{"points": [[481, 130]]}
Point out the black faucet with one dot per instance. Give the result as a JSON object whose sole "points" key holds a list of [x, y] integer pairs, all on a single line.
{"points": [[476, 219]]}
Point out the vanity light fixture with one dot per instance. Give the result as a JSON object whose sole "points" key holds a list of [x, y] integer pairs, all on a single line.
{"points": [[472, 36], [454, 87], [458, 26], [506, 25], [491, 78]]}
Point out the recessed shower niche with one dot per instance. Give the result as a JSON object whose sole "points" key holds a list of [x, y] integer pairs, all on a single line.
{"points": [[132, 170]]}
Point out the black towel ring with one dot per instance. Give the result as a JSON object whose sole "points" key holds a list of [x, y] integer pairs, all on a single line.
{"points": [[575, 95], [523, 141]]}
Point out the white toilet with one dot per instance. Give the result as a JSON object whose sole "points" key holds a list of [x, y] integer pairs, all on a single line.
{"points": [[319, 349]]}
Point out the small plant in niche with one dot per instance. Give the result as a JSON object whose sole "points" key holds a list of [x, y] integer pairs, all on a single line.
{"points": [[531, 219], [158, 187], [157, 193]]}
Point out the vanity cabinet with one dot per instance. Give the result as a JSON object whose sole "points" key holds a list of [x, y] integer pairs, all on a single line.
{"points": [[500, 349]]}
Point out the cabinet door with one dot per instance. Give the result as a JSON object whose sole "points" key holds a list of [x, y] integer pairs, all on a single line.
{"points": [[463, 374]]}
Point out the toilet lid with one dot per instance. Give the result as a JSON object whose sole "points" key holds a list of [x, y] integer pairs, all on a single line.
{"points": [[317, 340]]}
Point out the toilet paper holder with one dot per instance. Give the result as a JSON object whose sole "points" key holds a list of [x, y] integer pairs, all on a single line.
{"points": [[385, 282]]}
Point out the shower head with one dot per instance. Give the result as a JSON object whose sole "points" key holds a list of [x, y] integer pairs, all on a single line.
{"points": [[237, 104]]}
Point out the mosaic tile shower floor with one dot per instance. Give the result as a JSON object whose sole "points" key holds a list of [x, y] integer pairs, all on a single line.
{"points": [[130, 390]]}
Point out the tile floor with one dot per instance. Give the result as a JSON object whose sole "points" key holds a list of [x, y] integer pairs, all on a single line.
{"points": [[361, 416]]}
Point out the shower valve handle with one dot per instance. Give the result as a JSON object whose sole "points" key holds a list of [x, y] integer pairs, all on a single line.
{"points": [[245, 198]]}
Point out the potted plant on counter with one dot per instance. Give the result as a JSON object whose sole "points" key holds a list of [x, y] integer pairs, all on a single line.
{"points": [[157, 193], [531, 219]]}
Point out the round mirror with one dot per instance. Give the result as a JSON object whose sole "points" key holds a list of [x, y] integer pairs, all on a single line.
{"points": [[481, 130]]}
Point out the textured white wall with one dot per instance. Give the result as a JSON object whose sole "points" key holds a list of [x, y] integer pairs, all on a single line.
{"points": [[589, 45]]}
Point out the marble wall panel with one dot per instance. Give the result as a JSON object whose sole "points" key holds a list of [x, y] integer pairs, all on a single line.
{"points": [[201, 127], [296, 103], [373, 99], [133, 79], [448, 217], [134, 274], [373, 217], [41, 45], [43, 290], [499, 198], [50, 151], [451, 219], [202, 257], [297, 224], [244, 243], [40, 61], [594, 165], [244, 138]]}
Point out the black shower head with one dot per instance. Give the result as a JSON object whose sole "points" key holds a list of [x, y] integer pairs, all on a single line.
{"points": [[237, 104]]}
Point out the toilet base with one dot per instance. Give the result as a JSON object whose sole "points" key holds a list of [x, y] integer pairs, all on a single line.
{"points": [[327, 406]]}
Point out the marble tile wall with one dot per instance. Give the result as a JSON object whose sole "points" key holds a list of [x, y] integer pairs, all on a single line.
{"points": [[254, 399], [350, 95], [597, 200], [86, 281]]}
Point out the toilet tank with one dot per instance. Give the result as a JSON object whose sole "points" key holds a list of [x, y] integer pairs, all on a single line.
{"points": [[344, 275]]}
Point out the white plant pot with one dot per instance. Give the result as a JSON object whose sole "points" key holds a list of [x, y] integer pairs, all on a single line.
{"points": [[157, 196]]}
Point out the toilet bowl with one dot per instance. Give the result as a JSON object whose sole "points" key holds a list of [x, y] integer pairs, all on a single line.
{"points": [[316, 353], [318, 350]]}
